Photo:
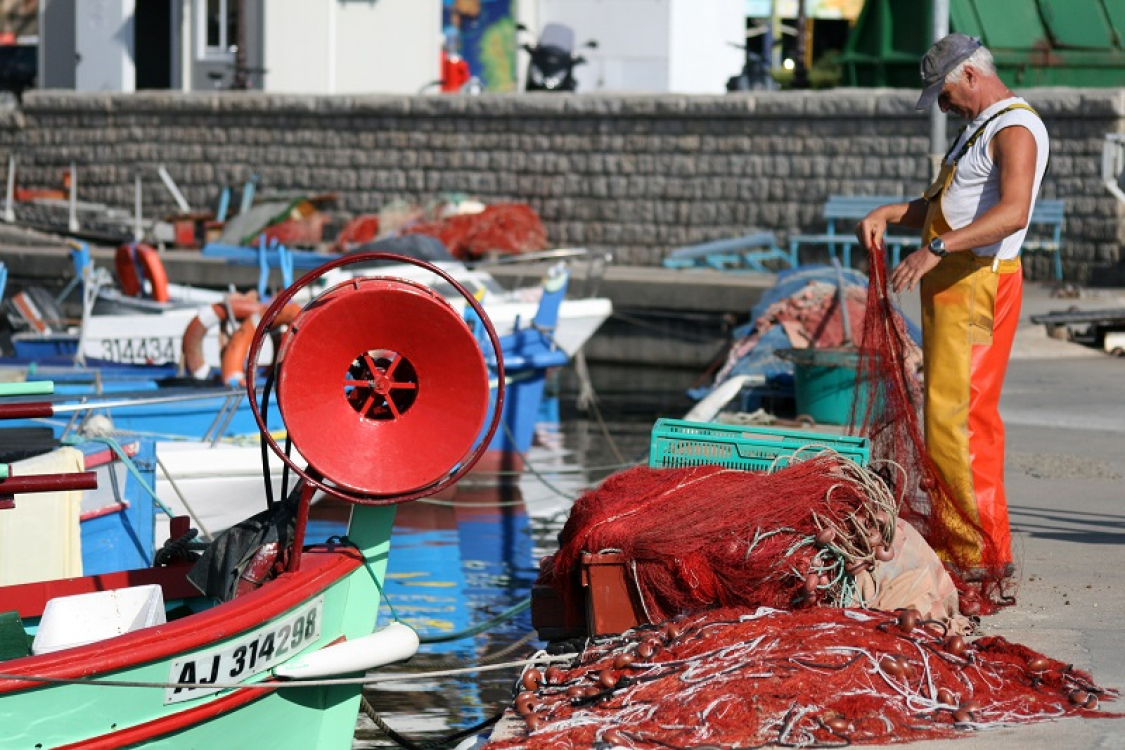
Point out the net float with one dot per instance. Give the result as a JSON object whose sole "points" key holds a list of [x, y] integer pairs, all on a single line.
{"points": [[1079, 697], [972, 706], [531, 679], [575, 691], [812, 580], [524, 703], [838, 724], [613, 737], [961, 716], [908, 620], [825, 537], [857, 566], [645, 650], [534, 722], [672, 631], [1091, 701], [955, 645], [946, 697], [891, 665], [608, 678], [622, 660], [1039, 664], [885, 553]]}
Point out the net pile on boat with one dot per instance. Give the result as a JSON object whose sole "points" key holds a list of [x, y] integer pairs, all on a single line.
{"points": [[506, 228], [816, 677], [706, 536]]}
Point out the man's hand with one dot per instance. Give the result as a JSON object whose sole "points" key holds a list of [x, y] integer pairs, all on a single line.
{"points": [[913, 267], [870, 231]]}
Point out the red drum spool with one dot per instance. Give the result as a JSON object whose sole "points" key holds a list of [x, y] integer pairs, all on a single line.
{"points": [[382, 385]]}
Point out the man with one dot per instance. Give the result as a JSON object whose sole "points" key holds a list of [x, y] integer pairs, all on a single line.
{"points": [[973, 220]]}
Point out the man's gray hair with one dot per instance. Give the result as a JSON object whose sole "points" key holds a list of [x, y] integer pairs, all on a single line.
{"points": [[981, 59]]}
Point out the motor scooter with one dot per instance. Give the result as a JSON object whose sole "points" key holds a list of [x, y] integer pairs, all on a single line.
{"points": [[755, 74], [552, 63]]}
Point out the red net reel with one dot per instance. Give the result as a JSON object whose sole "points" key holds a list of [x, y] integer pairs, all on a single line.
{"points": [[383, 387]]}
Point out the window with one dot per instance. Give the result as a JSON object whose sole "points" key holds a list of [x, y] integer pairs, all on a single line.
{"points": [[218, 27]]}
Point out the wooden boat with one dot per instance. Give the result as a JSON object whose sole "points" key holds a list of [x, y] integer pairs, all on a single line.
{"points": [[276, 660]]}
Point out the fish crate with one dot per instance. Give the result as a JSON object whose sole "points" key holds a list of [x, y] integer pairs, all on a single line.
{"points": [[677, 443]]}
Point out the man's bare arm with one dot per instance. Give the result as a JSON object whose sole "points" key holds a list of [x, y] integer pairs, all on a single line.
{"points": [[871, 229], [1014, 153]]}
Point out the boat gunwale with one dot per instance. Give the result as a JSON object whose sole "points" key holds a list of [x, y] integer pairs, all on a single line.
{"points": [[321, 567]]}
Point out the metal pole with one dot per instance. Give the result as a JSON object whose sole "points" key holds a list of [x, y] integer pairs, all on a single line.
{"points": [[72, 223], [801, 71], [937, 117], [9, 210], [138, 228]]}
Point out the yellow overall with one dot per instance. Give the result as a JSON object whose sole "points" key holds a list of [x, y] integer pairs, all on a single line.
{"points": [[970, 308]]}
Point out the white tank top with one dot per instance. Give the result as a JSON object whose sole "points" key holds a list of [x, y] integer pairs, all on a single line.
{"points": [[976, 183]]}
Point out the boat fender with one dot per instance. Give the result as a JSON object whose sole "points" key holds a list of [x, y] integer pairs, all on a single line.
{"points": [[395, 642], [137, 263], [236, 306], [234, 353]]}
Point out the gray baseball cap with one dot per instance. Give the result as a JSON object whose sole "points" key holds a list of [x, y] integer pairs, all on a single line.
{"points": [[946, 54]]}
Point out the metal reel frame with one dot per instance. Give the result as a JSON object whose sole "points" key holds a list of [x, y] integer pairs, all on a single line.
{"points": [[274, 310]]}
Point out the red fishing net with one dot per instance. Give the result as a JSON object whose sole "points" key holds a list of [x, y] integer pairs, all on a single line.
{"points": [[893, 424], [819, 677], [500, 228], [700, 537]]}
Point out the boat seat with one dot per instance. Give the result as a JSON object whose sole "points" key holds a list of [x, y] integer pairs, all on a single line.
{"points": [[70, 621]]}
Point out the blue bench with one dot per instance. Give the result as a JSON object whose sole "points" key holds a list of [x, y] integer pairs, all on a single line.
{"points": [[848, 210], [1044, 233], [748, 252]]}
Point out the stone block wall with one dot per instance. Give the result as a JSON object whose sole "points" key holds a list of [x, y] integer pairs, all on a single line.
{"points": [[637, 175]]}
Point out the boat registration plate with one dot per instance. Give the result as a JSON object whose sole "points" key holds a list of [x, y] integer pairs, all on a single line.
{"points": [[247, 656]]}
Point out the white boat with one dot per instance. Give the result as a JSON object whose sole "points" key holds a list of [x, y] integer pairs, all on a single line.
{"points": [[119, 329]]}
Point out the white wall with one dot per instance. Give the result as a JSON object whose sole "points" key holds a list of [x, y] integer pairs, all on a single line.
{"points": [[351, 46], [653, 45], [104, 46], [700, 56]]}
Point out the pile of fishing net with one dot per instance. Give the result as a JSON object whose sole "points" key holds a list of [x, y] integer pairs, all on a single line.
{"points": [[700, 537], [820, 677], [506, 228]]}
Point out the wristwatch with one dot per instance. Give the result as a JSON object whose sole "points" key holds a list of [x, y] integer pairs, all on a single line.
{"points": [[937, 247]]}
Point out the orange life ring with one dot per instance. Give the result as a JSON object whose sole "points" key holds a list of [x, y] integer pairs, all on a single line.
{"points": [[136, 263], [234, 353], [236, 306]]}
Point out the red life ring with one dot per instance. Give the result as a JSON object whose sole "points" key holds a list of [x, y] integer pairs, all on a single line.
{"points": [[137, 263], [240, 306], [234, 353]]}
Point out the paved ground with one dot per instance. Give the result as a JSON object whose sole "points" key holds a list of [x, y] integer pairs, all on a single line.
{"points": [[1064, 405]]}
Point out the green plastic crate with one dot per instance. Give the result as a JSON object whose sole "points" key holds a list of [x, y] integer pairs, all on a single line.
{"points": [[677, 443]]}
